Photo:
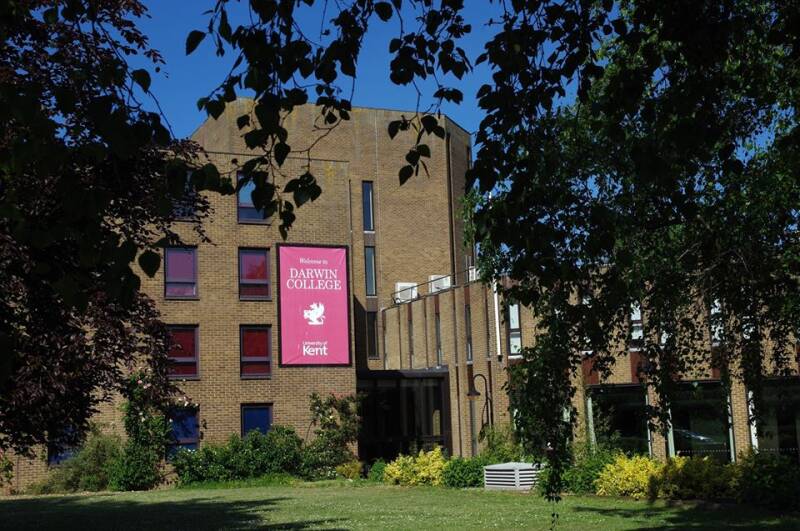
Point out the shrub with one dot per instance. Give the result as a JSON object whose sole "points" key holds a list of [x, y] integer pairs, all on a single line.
{"points": [[461, 472], [400, 471], [587, 464], [628, 476], [426, 468], [254, 456], [337, 424], [87, 470], [688, 478], [376, 470], [351, 470], [769, 480], [139, 467], [500, 445]]}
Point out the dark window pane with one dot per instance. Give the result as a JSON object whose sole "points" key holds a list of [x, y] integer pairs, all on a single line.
{"points": [[372, 334], [367, 205], [255, 351], [468, 330], [369, 270], [258, 418], [254, 291], [619, 417], [185, 429], [253, 265], [781, 418], [700, 421], [181, 272], [183, 351], [255, 368]]}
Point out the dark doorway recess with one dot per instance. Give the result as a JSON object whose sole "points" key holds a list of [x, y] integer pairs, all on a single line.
{"points": [[402, 412]]}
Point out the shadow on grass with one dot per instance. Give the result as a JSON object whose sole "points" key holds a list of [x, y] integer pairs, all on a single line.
{"points": [[700, 516], [117, 513]]}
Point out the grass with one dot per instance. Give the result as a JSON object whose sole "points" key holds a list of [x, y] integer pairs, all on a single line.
{"points": [[362, 505]]}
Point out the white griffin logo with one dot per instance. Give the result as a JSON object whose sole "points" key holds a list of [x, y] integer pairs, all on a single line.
{"points": [[315, 315]]}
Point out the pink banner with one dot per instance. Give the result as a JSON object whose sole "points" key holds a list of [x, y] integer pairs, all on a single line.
{"points": [[314, 305]]}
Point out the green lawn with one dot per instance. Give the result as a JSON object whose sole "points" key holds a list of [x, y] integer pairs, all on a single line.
{"points": [[362, 506]]}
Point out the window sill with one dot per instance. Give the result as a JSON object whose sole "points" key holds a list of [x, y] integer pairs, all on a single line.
{"points": [[184, 378], [265, 222], [266, 377], [174, 298], [255, 299]]}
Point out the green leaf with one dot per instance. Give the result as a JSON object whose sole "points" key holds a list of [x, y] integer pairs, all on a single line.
{"points": [[150, 261], [243, 121], [142, 77], [193, 40]]}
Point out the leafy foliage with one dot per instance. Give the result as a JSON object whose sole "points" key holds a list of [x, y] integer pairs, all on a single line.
{"points": [[629, 476], [698, 478], [87, 470], [336, 424], [89, 178], [464, 472], [586, 467], [140, 467], [377, 470], [351, 470], [500, 444], [769, 480], [425, 468], [255, 455]]}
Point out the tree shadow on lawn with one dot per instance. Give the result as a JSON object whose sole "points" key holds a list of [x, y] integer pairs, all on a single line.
{"points": [[701, 516], [116, 513]]}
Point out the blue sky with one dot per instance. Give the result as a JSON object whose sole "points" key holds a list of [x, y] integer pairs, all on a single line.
{"points": [[185, 79]]}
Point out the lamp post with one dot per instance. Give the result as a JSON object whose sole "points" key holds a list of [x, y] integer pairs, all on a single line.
{"points": [[474, 394]]}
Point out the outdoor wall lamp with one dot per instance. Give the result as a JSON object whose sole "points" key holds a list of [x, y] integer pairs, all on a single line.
{"points": [[474, 394]]}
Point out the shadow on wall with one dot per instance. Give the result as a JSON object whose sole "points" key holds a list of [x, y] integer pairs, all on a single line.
{"points": [[705, 516], [107, 513]]}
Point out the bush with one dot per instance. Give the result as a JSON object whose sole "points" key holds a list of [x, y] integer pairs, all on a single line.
{"points": [[769, 480], [461, 472], [321, 457], [587, 464], [376, 470], [337, 424], [351, 470], [87, 470], [628, 476], [689, 478], [426, 468], [254, 456]]}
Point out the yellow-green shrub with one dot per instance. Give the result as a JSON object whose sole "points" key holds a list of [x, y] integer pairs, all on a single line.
{"points": [[350, 470], [425, 468], [629, 476], [689, 478]]}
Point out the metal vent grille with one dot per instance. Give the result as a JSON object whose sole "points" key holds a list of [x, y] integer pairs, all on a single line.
{"points": [[511, 476]]}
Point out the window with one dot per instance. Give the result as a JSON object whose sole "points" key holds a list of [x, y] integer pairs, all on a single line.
{"points": [[410, 332], [781, 418], [254, 274], [439, 352], [700, 421], [181, 273], [369, 270], [183, 351], [637, 331], [372, 335], [514, 330], [256, 417], [246, 211], [255, 343], [468, 331], [619, 417], [367, 206], [58, 452], [184, 429]]}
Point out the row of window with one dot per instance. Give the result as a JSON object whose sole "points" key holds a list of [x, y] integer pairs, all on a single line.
{"points": [[185, 424], [180, 270], [255, 351]]}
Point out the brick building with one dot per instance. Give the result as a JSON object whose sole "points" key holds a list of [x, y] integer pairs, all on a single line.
{"points": [[429, 344]]}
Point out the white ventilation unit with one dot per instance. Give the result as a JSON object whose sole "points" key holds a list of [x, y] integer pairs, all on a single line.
{"points": [[438, 282], [511, 476], [405, 291], [472, 274]]}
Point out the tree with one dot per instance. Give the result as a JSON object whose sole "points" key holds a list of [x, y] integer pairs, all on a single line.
{"points": [[645, 153], [89, 180]]}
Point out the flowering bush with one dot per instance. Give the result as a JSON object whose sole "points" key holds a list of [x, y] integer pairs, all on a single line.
{"points": [[629, 476], [400, 471]]}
